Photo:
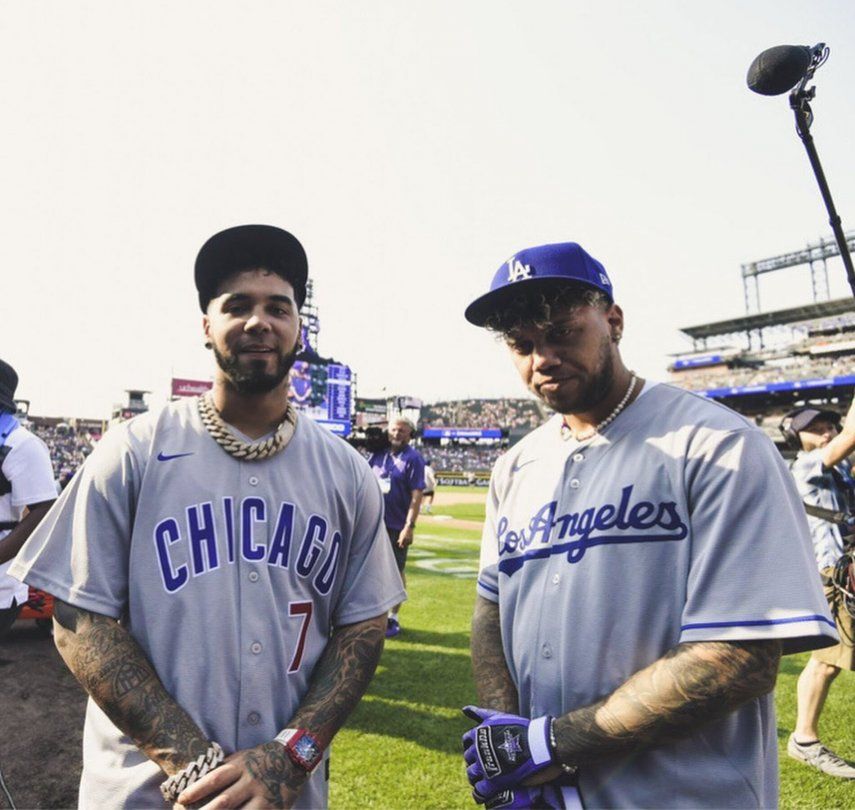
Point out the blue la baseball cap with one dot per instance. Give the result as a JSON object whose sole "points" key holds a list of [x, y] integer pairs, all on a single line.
{"points": [[535, 267]]}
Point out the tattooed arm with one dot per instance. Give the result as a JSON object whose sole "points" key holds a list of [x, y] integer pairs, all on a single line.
{"points": [[264, 776], [692, 684], [113, 669], [493, 681]]}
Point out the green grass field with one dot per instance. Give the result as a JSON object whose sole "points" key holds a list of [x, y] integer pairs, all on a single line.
{"points": [[401, 747]]}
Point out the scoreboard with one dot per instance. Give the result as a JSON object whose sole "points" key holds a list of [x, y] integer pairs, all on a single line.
{"points": [[324, 393]]}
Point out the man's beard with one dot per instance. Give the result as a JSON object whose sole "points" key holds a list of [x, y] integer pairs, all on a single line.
{"points": [[597, 389], [254, 380]]}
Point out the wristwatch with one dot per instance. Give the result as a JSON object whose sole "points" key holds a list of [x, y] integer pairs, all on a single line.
{"points": [[303, 749]]}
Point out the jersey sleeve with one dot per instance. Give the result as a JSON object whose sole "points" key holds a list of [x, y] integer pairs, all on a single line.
{"points": [[752, 573], [28, 468], [79, 552], [488, 568], [372, 583]]}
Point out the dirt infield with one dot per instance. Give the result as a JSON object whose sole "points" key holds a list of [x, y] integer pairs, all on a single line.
{"points": [[454, 523], [42, 708]]}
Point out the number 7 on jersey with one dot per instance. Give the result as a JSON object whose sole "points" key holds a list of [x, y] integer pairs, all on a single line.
{"points": [[303, 609]]}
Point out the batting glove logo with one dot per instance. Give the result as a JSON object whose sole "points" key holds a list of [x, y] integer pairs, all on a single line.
{"points": [[503, 750]]}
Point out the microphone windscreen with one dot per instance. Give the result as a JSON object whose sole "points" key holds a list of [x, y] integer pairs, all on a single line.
{"points": [[778, 69]]}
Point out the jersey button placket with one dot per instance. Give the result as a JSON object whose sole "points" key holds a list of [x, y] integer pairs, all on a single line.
{"points": [[253, 628]]}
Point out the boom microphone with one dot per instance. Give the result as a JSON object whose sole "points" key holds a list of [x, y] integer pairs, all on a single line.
{"points": [[779, 69], [790, 68]]}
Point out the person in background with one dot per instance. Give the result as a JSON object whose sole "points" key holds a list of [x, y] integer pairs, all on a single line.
{"points": [[430, 487], [27, 491], [823, 476], [400, 469]]}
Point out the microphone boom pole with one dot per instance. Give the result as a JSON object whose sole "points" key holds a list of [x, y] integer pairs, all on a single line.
{"points": [[800, 99]]}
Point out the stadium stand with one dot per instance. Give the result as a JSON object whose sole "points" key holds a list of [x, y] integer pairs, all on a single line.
{"points": [[511, 414], [764, 364], [68, 446]]}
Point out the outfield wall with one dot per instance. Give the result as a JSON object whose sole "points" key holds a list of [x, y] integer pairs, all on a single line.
{"points": [[462, 479]]}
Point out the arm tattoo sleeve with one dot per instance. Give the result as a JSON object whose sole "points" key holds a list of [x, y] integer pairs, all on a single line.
{"points": [[691, 685], [493, 681], [112, 668], [341, 677]]}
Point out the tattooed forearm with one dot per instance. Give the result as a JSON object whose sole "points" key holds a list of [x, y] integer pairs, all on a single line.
{"points": [[691, 685], [493, 682], [270, 765], [112, 668], [341, 677]]}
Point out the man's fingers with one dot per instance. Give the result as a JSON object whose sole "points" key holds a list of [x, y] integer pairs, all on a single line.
{"points": [[478, 714], [474, 772], [209, 784]]}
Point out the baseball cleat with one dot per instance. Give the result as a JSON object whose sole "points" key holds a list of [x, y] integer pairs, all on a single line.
{"points": [[392, 628], [821, 758]]}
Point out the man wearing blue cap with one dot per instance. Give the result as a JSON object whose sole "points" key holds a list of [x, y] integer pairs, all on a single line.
{"points": [[626, 635]]}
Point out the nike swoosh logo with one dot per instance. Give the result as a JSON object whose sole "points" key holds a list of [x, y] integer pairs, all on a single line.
{"points": [[161, 456], [520, 466]]}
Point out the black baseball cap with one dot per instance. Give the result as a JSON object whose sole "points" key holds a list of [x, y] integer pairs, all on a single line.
{"points": [[249, 246], [800, 418], [8, 385]]}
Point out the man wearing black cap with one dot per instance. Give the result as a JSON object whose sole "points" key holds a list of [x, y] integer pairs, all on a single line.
{"points": [[222, 568], [626, 635], [824, 479], [27, 490]]}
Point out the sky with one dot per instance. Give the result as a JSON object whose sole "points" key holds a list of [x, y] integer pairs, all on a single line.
{"points": [[412, 147]]}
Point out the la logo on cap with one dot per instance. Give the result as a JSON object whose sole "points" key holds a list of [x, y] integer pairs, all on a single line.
{"points": [[517, 270]]}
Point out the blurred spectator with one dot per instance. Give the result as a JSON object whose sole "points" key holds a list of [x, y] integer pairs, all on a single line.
{"points": [[484, 413], [67, 448], [463, 458]]}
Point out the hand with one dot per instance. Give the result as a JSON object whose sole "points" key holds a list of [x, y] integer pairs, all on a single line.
{"points": [[258, 777], [547, 797], [504, 750], [405, 538]]}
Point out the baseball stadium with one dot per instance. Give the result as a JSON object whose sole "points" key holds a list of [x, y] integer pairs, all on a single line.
{"points": [[400, 747]]}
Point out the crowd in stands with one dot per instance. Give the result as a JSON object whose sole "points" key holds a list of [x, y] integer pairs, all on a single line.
{"points": [[461, 458], [67, 447], [797, 367], [484, 413]]}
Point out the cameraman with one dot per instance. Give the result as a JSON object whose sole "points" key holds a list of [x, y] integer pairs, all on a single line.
{"points": [[823, 476], [400, 470]]}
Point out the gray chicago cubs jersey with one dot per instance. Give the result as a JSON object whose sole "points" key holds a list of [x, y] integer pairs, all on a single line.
{"points": [[229, 574], [680, 523]]}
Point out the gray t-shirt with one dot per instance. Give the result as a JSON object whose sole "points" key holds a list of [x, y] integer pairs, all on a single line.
{"points": [[679, 523], [830, 489], [230, 575]]}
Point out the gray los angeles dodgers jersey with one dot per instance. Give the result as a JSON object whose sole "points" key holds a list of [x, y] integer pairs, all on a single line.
{"points": [[229, 574], [681, 523]]}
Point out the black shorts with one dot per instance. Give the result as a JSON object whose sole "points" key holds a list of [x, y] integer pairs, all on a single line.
{"points": [[400, 553]]}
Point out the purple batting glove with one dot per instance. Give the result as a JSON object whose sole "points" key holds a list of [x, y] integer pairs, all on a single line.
{"points": [[504, 749], [520, 798]]}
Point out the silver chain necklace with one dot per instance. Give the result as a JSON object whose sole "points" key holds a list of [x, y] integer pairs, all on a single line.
{"points": [[245, 451], [567, 431]]}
